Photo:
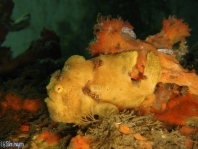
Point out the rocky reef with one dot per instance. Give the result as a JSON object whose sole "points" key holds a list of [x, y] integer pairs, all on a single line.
{"points": [[130, 93]]}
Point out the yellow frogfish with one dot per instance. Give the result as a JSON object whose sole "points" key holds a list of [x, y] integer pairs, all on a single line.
{"points": [[124, 74]]}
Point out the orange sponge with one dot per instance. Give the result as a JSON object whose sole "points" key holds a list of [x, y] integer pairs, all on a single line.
{"points": [[112, 36], [32, 105], [174, 30], [80, 142], [178, 109], [49, 138]]}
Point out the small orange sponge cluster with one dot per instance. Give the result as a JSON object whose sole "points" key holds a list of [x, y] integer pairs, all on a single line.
{"points": [[17, 103], [80, 142], [49, 138]]}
